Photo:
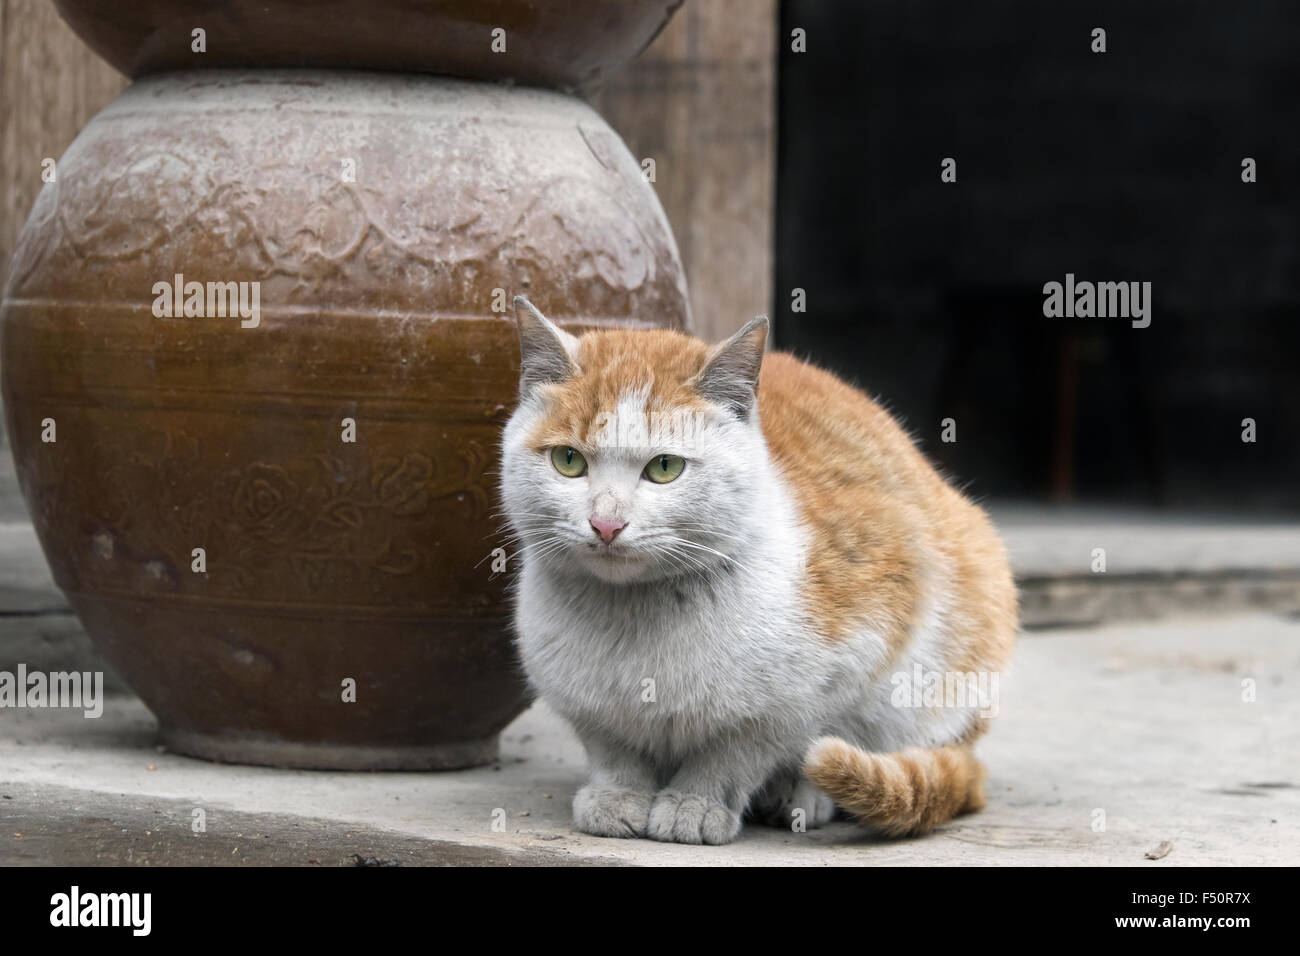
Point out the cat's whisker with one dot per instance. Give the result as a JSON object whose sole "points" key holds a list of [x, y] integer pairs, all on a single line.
{"points": [[696, 546], [545, 549], [723, 536], [685, 562], [678, 539]]}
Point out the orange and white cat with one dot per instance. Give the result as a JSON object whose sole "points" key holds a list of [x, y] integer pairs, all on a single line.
{"points": [[729, 559]]}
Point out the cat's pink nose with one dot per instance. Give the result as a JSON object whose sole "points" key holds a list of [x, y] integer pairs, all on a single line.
{"points": [[608, 530]]}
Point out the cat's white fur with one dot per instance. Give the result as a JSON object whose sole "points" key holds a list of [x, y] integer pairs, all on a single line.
{"points": [[740, 682]]}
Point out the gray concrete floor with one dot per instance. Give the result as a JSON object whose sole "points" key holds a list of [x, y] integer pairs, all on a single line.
{"points": [[1145, 723]]}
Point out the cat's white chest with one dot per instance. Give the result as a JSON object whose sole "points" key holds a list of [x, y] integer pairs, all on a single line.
{"points": [[662, 670]]}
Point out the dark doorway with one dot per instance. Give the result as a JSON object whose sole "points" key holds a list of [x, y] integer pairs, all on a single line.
{"points": [[1122, 166]]}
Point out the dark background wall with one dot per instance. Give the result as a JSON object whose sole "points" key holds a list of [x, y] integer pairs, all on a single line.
{"points": [[1117, 166]]}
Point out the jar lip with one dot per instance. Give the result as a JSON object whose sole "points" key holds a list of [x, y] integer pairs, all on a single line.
{"points": [[570, 46]]}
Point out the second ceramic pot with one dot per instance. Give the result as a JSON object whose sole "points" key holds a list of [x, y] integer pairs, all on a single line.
{"points": [[563, 43]]}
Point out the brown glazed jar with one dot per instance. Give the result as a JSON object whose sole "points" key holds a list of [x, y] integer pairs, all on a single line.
{"points": [[570, 44], [387, 221]]}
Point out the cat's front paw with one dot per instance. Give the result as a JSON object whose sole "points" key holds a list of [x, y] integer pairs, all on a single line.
{"points": [[611, 813], [677, 817]]}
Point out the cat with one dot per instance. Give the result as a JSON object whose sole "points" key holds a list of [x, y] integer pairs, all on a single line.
{"points": [[721, 606]]}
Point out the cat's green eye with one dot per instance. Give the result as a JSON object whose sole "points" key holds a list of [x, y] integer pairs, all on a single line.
{"points": [[664, 468], [568, 462]]}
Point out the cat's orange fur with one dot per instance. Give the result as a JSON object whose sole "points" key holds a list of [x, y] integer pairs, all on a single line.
{"points": [[880, 514], [878, 510], [612, 363]]}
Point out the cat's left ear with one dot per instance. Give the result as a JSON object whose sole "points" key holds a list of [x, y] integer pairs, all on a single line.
{"points": [[547, 353], [730, 375]]}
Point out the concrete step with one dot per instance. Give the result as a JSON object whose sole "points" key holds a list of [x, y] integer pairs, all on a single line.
{"points": [[1155, 565]]}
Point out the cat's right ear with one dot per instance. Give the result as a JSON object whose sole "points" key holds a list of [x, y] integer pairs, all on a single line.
{"points": [[546, 352], [730, 374]]}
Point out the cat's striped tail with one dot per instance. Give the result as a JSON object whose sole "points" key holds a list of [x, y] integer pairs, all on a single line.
{"points": [[899, 794]]}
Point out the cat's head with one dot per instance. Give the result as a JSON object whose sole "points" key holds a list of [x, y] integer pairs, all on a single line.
{"points": [[634, 455]]}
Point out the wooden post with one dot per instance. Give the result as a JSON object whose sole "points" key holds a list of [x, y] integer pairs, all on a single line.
{"points": [[701, 102], [51, 84]]}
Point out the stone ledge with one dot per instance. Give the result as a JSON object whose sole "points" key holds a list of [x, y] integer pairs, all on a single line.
{"points": [[1156, 565], [1098, 599]]}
